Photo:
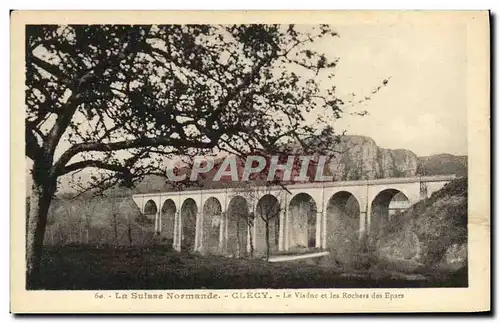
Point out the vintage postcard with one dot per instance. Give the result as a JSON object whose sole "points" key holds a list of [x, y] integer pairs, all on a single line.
{"points": [[250, 161]]}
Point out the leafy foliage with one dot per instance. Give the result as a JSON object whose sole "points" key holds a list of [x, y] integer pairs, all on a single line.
{"points": [[156, 91]]}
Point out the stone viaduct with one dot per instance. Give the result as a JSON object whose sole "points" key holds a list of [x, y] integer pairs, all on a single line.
{"points": [[232, 221]]}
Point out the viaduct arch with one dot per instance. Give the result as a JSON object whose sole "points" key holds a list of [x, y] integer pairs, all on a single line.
{"points": [[239, 222], [232, 222]]}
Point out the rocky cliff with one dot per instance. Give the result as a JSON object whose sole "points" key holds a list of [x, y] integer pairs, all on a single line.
{"points": [[359, 157]]}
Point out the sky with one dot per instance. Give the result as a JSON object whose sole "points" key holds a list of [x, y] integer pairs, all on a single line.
{"points": [[423, 107]]}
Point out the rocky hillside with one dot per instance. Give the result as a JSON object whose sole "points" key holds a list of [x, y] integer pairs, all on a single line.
{"points": [[443, 164], [359, 157], [431, 233]]}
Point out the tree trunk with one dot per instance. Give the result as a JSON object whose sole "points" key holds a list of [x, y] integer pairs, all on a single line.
{"points": [[51, 232], [39, 206], [238, 244], [82, 228], [268, 245], [87, 238], [250, 235], [115, 227], [130, 235], [129, 230]]}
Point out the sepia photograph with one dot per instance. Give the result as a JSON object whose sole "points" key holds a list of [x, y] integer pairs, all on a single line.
{"points": [[251, 159]]}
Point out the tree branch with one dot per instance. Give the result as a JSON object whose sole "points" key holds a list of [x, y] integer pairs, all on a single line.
{"points": [[61, 124], [50, 68], [127, 144], [93, 163], [32, 147]]}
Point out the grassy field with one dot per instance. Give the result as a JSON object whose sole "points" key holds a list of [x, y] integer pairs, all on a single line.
{"points": [[82, 267]]}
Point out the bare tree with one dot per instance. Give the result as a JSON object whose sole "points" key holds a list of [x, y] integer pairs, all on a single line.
{"points": [[129, 230], [211, 226], [88, 207], [266, 209], [269, 210], [115, 226], [112, 197], [67, 226], [250, 221]]}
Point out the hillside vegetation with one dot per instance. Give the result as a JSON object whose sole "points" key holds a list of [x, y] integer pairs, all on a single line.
{"points": [[431, 233], [114, 221], [443, 164]]}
